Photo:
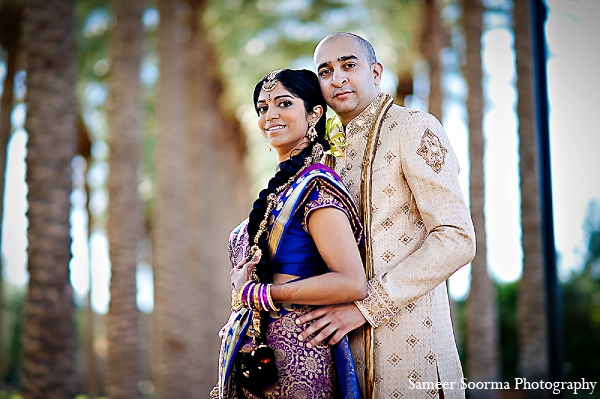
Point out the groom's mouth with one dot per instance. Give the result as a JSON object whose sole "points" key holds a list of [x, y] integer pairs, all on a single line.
{"points": [[342, 94]]}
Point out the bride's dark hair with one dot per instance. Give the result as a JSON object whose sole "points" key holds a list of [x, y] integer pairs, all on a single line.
{"points": [[303, 84]]}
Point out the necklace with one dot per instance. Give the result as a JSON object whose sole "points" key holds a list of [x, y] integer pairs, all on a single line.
{"points": [[272, 198]]}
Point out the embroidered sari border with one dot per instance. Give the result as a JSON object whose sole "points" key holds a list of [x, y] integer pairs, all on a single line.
{"points": [[292, 197]]}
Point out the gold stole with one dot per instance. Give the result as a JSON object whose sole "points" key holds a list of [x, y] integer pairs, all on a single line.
{"points": [[366, 184]]}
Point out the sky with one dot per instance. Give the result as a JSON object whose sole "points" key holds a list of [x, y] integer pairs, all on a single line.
{"points": [[572, 28]]}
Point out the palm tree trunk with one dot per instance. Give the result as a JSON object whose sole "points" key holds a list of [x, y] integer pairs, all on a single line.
{"points": [[431, 44], [207, 246], [171, 288], [124, 211], [482, 314], [48, 370], [200, 123], [533, 356]]}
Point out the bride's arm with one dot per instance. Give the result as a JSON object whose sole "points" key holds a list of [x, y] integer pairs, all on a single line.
{"points": [[345, 282]]}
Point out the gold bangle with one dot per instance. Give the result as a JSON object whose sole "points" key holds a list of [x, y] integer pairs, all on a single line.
{"points": [[270, 299], [255, 293]]}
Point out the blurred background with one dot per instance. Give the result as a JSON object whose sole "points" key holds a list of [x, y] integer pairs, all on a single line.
{"points": [[129, 150]]}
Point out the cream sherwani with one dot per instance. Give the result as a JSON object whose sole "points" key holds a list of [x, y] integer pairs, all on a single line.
{"points": [[401, 170]]}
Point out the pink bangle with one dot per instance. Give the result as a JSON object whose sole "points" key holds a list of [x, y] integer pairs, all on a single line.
{"points": [[246, 293], [263, 297]]}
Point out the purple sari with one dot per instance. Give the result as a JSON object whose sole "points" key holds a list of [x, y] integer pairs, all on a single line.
{"points": [[323, 371]]}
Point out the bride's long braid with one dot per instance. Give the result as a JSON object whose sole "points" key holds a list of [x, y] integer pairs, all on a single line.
{"points": [[303, 84]]}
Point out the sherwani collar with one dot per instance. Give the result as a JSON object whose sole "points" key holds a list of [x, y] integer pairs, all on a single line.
{"points": [[363, 122]]}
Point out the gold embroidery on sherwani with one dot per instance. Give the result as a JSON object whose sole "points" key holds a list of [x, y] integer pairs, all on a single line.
{"points": [[432, 150], [397, 288], [372, 116]]}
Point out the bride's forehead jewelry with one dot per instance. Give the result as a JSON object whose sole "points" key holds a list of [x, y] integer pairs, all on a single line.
{"points": [[270, 82]]}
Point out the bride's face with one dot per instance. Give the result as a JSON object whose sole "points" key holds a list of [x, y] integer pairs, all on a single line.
{"points": [[283, 120]]}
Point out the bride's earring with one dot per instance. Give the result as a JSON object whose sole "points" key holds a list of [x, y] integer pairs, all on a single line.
{"points": [[268, 146], [312, 133]]}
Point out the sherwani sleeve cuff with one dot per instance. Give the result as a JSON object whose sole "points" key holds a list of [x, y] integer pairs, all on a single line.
{"points": [[377, 308]]}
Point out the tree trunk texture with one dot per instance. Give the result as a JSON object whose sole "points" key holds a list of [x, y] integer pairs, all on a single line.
{"points": [[531, 314], [48, 370], [124, 210], [482, 342], [433, 40], [171, 284], [210, 192], [10, 35]]}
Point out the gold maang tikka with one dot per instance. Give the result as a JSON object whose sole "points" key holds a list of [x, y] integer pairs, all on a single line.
{"points": [[270, 82]]}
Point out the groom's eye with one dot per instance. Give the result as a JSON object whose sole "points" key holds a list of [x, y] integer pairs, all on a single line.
{"points": [[324, 72]]}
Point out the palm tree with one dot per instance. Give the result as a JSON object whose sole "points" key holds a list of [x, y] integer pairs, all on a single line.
{"points": [[433, 39], [531, 313], [171, 288], [124, 211], [215, 156], [202, 122], [482, 360], [48, 328], [10, 36]]}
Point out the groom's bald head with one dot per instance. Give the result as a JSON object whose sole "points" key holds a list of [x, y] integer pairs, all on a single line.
{"points": [[364, 44]]}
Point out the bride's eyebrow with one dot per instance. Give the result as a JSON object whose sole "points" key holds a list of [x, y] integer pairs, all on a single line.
{"points": [[283, 96], [276, 98]]}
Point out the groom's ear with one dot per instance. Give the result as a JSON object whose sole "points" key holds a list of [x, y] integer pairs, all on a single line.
{"points": [[377, 70]]}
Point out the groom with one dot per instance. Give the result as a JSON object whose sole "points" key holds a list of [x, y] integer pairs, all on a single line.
{"points": [[403, 174]]}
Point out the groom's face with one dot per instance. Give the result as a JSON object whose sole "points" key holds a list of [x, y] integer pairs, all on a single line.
{"points": [[348, 80]]}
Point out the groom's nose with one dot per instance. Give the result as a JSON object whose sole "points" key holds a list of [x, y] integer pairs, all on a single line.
{"points": [[339, 78]]}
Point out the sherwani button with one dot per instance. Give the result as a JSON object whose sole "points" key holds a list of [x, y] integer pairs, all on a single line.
{"points": [[348, 166]]}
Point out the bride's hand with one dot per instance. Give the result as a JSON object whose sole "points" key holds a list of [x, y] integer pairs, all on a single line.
{"points": [[242, 272]]}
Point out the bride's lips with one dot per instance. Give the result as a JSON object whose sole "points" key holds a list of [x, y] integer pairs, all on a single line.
{"points": [[274, 128]]}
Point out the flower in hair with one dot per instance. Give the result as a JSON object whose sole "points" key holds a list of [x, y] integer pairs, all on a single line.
{"points": [[334, 134]]}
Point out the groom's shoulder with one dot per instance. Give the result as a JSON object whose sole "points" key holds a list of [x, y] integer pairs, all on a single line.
{"points": [[400, 116]]}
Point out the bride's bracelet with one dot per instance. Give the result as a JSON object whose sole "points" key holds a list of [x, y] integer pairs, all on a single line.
{"points": [[257, 296]]}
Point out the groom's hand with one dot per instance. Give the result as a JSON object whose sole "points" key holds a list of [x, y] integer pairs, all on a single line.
{"points": [[333, 322]]}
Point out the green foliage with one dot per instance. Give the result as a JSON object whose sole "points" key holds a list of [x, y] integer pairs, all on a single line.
{"points": [[13, 301], [581, 314], [507, 306], [581, 299]]}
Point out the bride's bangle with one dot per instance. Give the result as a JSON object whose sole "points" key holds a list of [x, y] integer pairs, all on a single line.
{"points": [[270, 299], [245, 293], [255, 296]]}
